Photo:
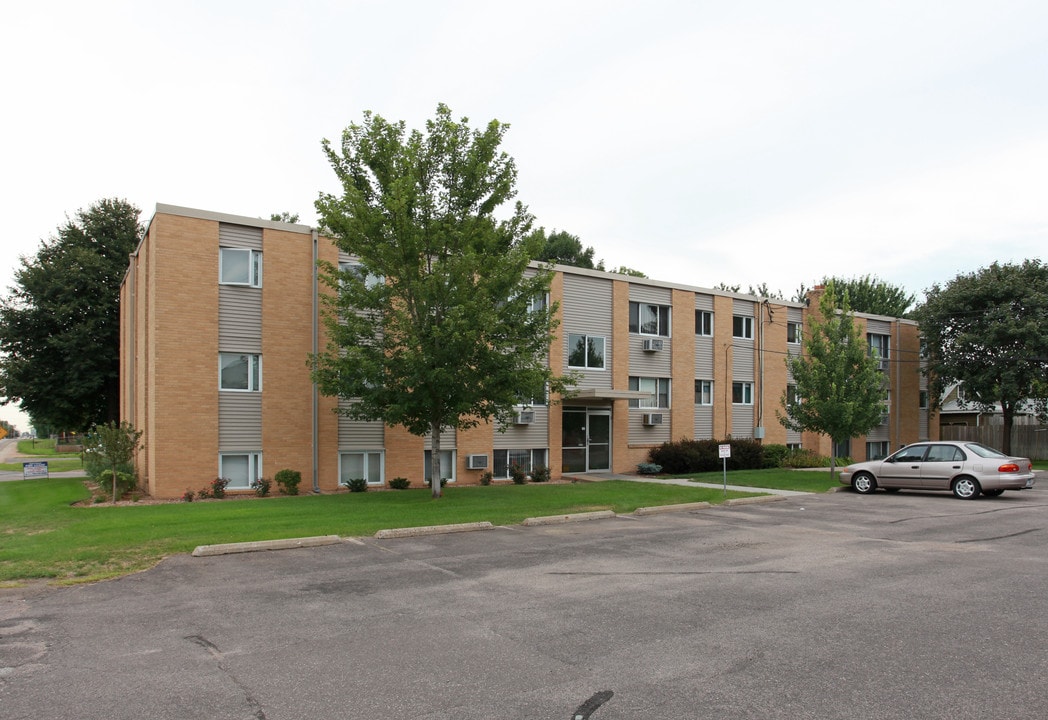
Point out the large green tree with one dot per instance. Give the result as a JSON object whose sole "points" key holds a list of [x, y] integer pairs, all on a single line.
{"points": [[868, 294], [989, 330], [839, 390], [561, 248], [60, 324], [440, 323]]}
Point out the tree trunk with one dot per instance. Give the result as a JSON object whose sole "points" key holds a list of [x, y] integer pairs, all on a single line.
{"points": [[114, 486], [1007, 415], [434, 460]]}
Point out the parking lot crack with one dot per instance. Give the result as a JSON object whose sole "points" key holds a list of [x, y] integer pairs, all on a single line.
{"points": [[250, 700]]}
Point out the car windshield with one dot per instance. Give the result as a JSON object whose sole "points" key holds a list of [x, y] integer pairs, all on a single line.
{"points": [[983, 451]]}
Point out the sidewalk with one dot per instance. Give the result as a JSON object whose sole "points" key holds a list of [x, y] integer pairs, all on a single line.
{"points": [[594, 477]]}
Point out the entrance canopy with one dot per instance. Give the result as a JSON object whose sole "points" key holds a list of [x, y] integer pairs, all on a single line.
{"points": [[608, 394]]}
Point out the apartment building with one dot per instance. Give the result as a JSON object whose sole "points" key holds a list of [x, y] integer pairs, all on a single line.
{"points": [[219, 314]]}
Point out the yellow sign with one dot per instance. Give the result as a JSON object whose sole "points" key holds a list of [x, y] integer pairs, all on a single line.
{"points": [[3, 432]]}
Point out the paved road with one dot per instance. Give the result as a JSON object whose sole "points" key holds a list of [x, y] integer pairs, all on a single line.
{"points": [[831, 606]]}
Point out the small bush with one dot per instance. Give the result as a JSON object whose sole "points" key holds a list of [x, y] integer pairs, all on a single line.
{"points": [[400, 483], [125, 482], [746, 455], [804, 459], [288, 480], [540, 474], [647, 468], [485, 479], [698, 456], [775, 455], [357, 485], [443, 482], [261, 486], [518, 474], [216, 489], [188, 496]]}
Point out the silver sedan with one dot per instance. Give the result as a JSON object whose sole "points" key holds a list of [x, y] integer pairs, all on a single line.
{"points": [[964, 468]]}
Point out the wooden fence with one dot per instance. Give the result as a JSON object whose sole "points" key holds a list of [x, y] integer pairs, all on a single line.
{"points": [[1027, 440]]}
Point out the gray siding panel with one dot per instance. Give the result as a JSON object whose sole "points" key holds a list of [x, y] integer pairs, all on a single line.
{"points": [[239, 421], [239, 236], [704, 350], [742, 365], [520, 437], [650, 294], [793, 437], [879, 327], [649, 364], [642, 434], [239, 319], [703, 422], [359, 434], [742, 421], [587, 310], [704, 302]]}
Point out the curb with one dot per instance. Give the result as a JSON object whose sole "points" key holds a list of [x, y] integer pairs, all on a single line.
{"points": [[682, 507], [573, 517], [755, 500], [230, 548], [432, 530]]}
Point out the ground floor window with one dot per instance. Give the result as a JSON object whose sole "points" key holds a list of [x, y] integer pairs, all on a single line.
{"points": [[447, 464], [241, 469], [877, 450], [793, 446], [526, 459], [365, 464]]}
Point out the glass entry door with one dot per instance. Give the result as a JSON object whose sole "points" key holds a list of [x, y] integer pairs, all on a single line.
{"points": [[586, 440]]}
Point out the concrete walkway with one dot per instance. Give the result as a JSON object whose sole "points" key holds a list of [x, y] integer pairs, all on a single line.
{"points": [[595, 477]]}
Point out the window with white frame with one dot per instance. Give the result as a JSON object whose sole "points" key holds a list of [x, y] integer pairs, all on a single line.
{"points": [[659, 388], [703, 392], [585, 351], [703, 322], [649, 319], [240, 266], [366, 464], [447, 465], [240, 371], [357, 270], [742, 393], [792, 396], [528, 459], [241, 469], [879, 345], [793, 333], [793, 446], [742, 327]]}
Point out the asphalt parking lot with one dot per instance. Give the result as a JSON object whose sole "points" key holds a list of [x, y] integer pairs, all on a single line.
{"points": [[828, 606]]}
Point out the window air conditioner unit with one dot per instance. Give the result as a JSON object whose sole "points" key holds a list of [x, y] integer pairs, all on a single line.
{"points": [[652, 345], [525, 417], [652, 418], [476, 462], [882, 364]]}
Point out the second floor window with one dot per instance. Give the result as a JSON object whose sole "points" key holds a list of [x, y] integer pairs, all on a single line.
{"points": [[879, 345], [648, 319], [240, 266], [742, 393], [585, 351], [703, 392], [659, 389], [240, 371], [793, 333]]}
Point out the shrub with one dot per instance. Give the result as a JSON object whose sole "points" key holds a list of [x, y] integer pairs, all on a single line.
{"points": [[357, 485], [699, 456], [216, 489], [775, 455], [647, 468], [518, 474], [745, 455], [188, 496], [400, 483], [261, 486], [804, 459], [485, 479], [288, 480], [443, 482], [540, 474]]}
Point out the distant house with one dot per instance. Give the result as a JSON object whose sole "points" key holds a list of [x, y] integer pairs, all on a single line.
{"points": [[956, 409]]}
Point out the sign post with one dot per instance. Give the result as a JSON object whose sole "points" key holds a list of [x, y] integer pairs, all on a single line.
{"points": [[725, 453]]}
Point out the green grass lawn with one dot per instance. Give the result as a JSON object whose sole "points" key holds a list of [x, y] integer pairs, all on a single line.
{"points": [[774, 478], [42, 535]]}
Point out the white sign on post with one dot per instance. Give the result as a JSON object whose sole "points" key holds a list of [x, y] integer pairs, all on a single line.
{"points": [[725, 453]]}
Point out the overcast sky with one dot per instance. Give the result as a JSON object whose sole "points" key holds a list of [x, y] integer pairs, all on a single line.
{"points": [[702, 142]]}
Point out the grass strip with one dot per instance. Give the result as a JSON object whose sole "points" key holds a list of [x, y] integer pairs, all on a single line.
{"points": [[43, 535]]}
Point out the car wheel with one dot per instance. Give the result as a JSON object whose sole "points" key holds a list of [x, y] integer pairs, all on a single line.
{"points": [[992, 493], [966, 488], [863, 483]]}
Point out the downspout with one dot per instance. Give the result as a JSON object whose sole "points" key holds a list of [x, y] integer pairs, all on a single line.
{"points": [[895, 368], [316, 350]]}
